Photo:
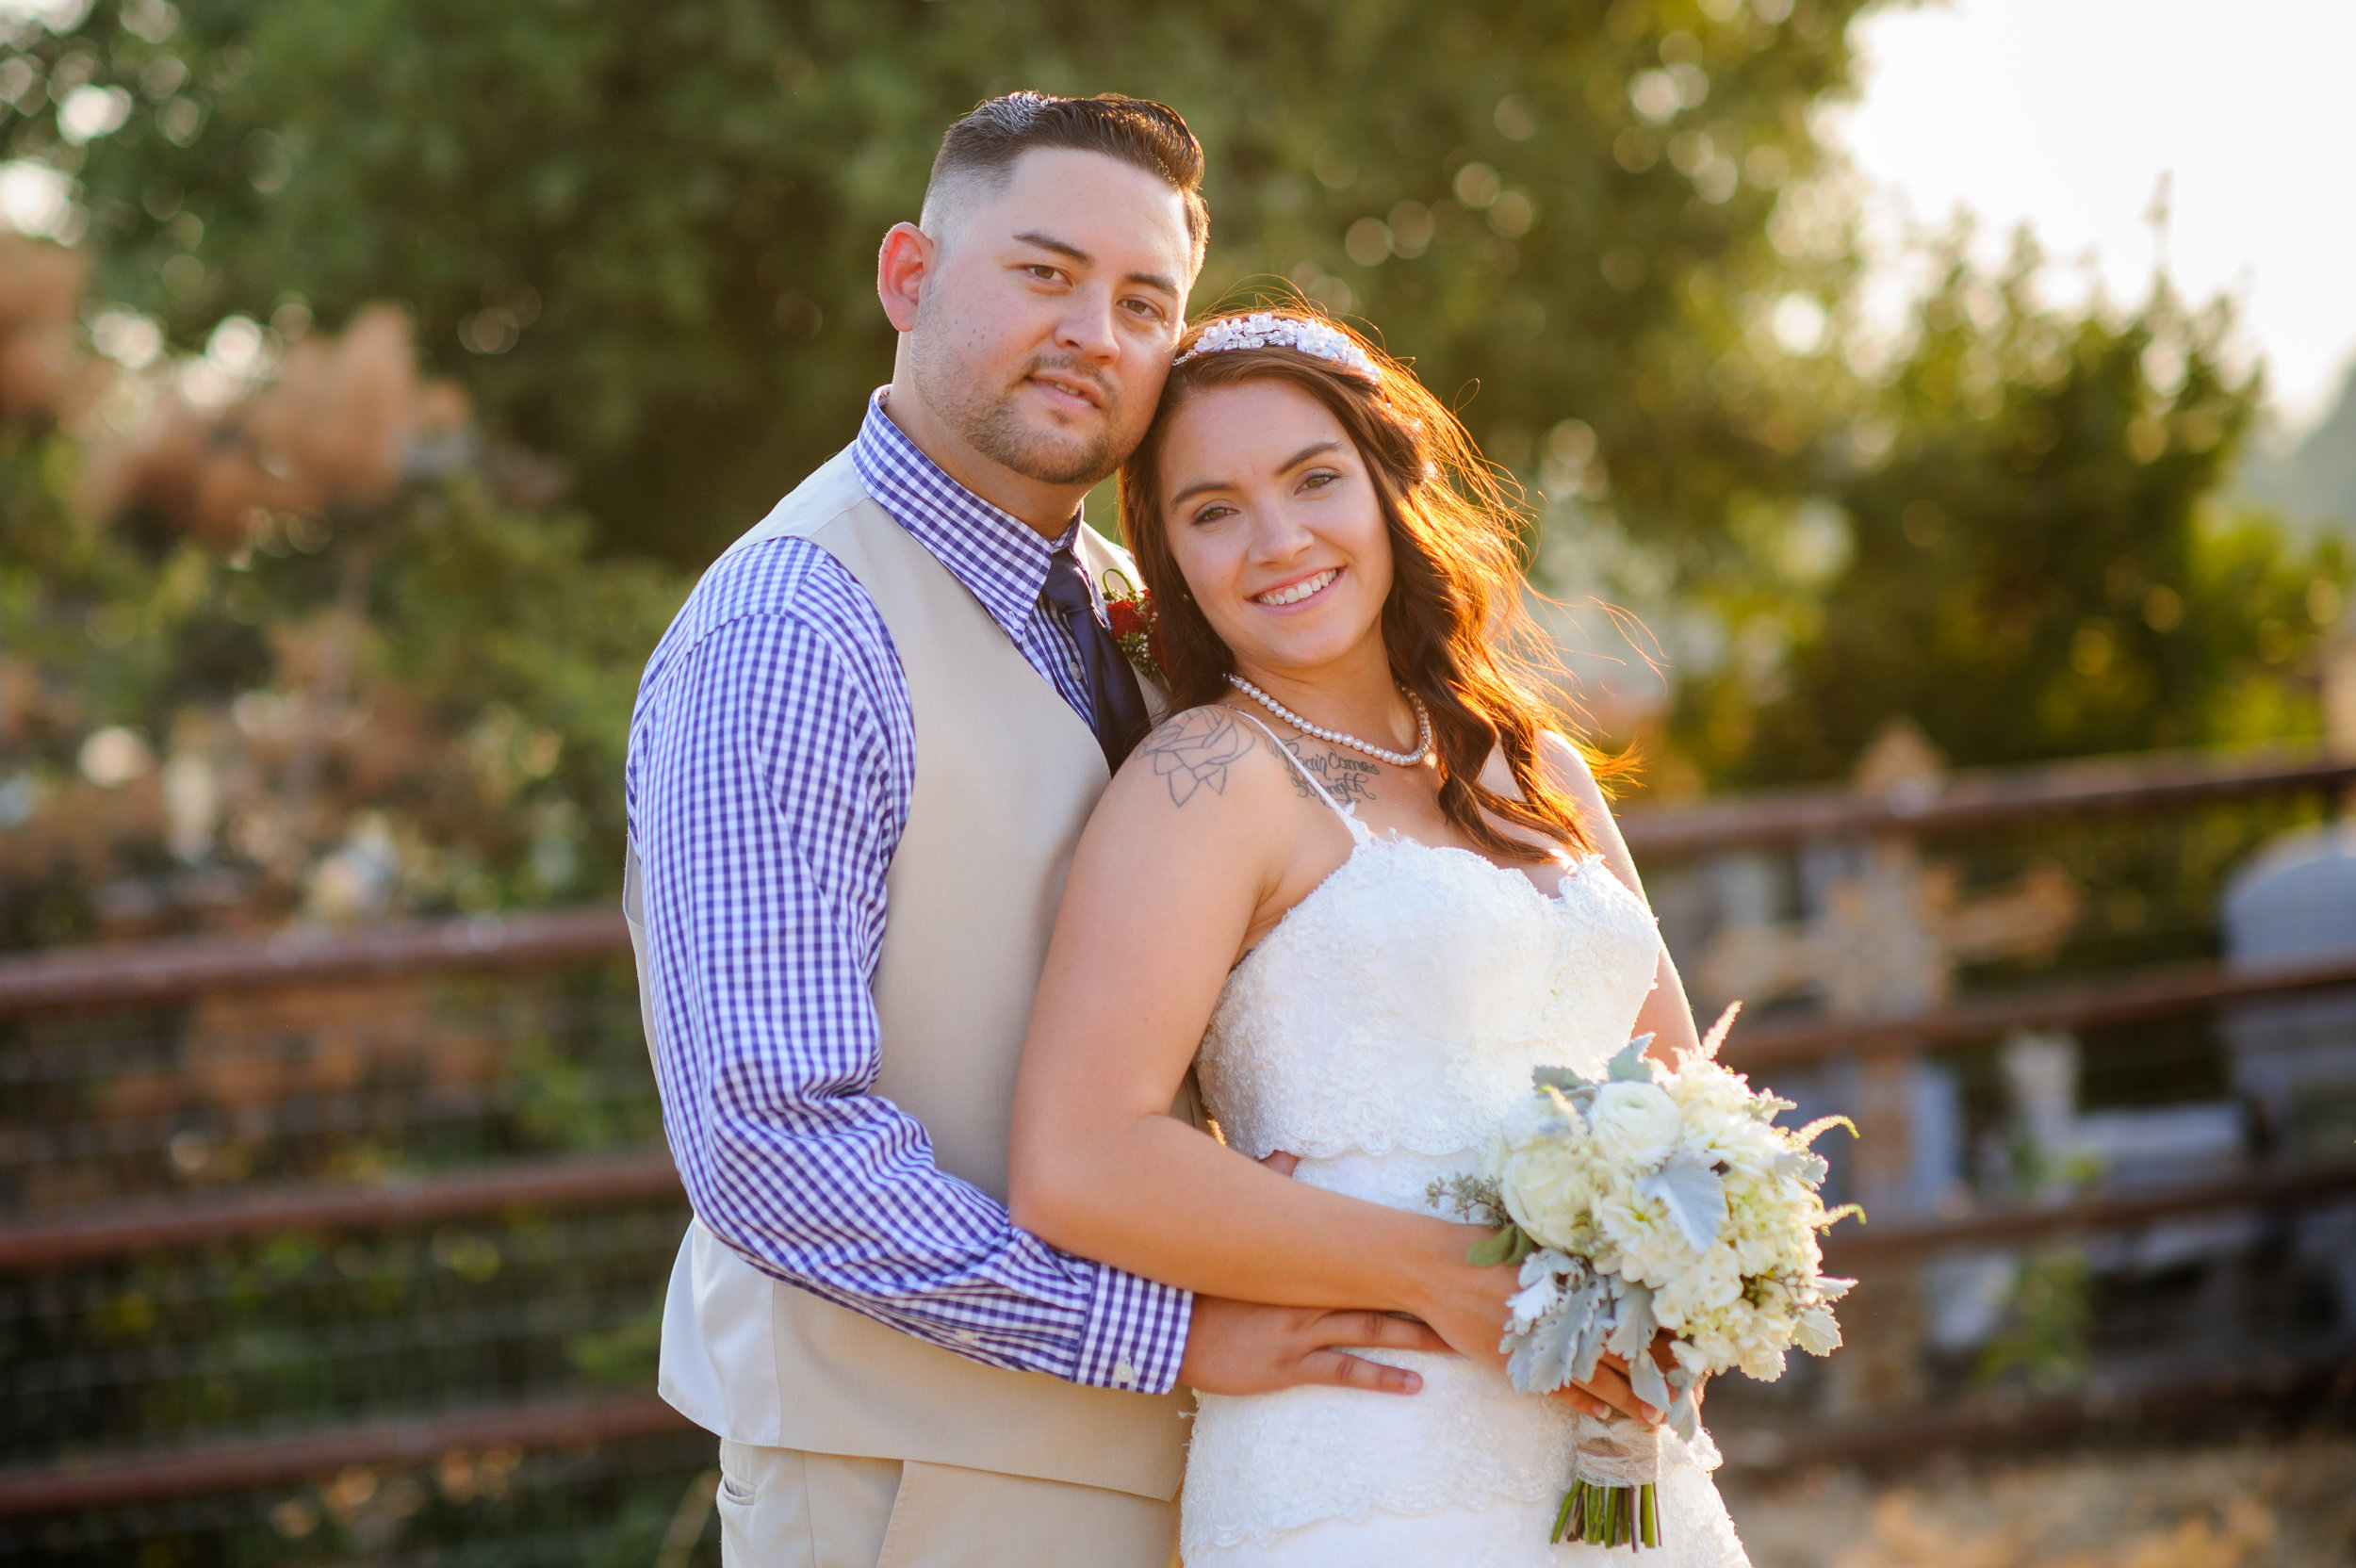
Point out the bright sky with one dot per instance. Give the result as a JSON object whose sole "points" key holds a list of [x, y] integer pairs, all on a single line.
{"points": [[2066, 113]]}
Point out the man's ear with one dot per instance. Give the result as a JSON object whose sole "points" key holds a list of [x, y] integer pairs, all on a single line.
{"points": [[904, 266]]}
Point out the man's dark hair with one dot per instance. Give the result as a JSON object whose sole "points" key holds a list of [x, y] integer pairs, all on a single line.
{"points": [[984, 145]]}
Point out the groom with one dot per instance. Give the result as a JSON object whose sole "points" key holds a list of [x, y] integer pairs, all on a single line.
{"points": [[860, 761]]}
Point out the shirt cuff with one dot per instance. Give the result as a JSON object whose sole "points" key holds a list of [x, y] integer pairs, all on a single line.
{"points": [[1135, 1334]]}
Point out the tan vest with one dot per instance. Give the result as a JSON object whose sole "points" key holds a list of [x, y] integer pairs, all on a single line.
{"points": [[1006, 775]]}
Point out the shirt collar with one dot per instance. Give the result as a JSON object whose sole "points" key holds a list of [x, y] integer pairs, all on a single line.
{"points": [[999, 558]]}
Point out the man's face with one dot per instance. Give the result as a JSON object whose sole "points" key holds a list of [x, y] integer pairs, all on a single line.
{"points": [[1048, 322]]}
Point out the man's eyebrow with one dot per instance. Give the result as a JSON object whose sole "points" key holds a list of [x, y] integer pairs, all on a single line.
{"points": [[1062, 247], [1303, 455], [1065, 248]]}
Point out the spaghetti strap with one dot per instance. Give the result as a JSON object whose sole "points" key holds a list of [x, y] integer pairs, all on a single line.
{"points": [[1358, 831]]}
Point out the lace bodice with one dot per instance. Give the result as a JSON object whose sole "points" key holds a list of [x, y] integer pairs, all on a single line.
{"points": [[1401, 1006], [1381, 1032]]}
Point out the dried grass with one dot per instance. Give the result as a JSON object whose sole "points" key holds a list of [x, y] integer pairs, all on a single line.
{"points": [[2277, 1506]]}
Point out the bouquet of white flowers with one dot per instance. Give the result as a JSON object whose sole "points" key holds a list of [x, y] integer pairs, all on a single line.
{"points": [[1653, 1200]]}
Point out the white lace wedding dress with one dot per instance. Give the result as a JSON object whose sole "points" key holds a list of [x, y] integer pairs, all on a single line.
{"points": [[1379, 1032]]}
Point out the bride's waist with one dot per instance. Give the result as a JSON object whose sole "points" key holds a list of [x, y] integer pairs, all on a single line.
{"points": [[1398, 1179]]}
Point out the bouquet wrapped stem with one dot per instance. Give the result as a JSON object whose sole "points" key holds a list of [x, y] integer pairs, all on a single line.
{"points": [[1661, 1216], [1600, 1515]]}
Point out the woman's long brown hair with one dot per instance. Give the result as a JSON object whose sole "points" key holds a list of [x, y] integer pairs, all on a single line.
{"points": [[1454, 625]]}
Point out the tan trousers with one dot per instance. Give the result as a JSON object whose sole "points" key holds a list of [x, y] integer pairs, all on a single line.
{"points": [[781, 1508]]}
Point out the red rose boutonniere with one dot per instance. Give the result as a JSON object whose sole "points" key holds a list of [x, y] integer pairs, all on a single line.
{"points": [[1129, 611]]}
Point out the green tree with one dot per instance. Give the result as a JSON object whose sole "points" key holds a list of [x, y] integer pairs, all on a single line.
{"points": [[643, 234], [2033, 569]]}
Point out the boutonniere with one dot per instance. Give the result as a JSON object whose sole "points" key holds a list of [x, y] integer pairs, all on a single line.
{"points": [[1129, 612]]}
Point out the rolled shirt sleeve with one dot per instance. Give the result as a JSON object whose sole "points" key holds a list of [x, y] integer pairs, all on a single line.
{"points": [[771, 765]]}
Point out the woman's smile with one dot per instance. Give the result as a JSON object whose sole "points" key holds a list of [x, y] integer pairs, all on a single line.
{"points": [[1298, 591]]}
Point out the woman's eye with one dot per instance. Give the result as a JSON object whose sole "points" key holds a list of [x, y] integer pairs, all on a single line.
{"points": [[1213, 513], [1320, 479], [1044, 274]]}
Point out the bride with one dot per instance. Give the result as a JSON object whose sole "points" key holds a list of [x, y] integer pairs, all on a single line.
{"points": [[1359, 885]]}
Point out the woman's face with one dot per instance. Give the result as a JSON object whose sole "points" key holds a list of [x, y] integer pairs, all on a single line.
{"points": [[1275, 522]]}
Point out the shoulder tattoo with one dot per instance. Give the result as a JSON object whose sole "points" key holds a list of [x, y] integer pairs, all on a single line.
{"points": [[1195, 750]]}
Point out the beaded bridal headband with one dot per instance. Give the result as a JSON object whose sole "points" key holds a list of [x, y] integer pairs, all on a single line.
{"points": [[1263, 329]]}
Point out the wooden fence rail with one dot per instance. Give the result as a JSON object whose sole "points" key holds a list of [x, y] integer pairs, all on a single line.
{"points": [[88, 1235], [1980, 801], [92, 1483], [145, 973], [76, 1237], [137, 974]]}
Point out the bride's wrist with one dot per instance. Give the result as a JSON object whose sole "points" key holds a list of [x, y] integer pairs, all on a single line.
{"points": [[1435, 1273]]}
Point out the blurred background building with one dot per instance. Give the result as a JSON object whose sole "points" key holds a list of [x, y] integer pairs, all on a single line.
{"points": [[373, 380]]}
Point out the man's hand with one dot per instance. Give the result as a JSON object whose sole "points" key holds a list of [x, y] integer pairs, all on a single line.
{"points": [[1244, 1348]]}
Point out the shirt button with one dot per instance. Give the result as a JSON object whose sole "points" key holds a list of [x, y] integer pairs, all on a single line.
{"points": [[1124, 1374], [967, 1336]]}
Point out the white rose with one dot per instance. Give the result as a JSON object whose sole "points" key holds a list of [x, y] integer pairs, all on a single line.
{"points": [[1547, 1191], [1636, 1122]]}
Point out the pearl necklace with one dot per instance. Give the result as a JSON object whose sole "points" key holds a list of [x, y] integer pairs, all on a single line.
{"points": [[1396, 758]]}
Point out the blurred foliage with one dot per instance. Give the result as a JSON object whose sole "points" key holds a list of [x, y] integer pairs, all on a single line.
{"points": [[630, 249], [2042, 1345], [2020, 553], [643, 234], [626, 1355], [420, 707]]}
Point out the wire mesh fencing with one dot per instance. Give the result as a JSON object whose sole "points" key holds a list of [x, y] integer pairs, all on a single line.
{"points": [[464, 1386]]}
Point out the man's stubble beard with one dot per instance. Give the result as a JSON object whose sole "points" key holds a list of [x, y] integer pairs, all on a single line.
{"points": [[991, 425], [998, 432]]}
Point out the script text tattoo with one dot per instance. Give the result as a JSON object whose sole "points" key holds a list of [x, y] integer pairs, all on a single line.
{"points": [[1347, 779]]}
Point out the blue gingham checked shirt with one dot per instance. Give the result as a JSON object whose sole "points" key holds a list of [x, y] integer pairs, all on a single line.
{"points": [[772, 758]]}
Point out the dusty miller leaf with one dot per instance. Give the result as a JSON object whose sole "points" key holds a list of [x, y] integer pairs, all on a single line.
{"points": [[1590, 1304], [1541, 1358], [1630, 1066], [1643, 1377], [1685, 1415], [1695, 1197], [1632, 1324]]}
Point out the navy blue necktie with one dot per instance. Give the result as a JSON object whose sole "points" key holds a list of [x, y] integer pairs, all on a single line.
{"points": [[1114, 697]]}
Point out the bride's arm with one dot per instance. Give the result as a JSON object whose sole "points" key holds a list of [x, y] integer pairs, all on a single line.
{"points": [[1667, 1016], [1199, 843], [1195, 834]]}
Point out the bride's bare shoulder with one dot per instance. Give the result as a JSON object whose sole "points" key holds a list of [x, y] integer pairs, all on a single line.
{"points": [[1210, 761]]}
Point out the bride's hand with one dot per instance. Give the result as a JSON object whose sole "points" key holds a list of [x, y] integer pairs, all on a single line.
{"points": [[1465, 1305], [1467, 1309], [1608, 1394]]}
